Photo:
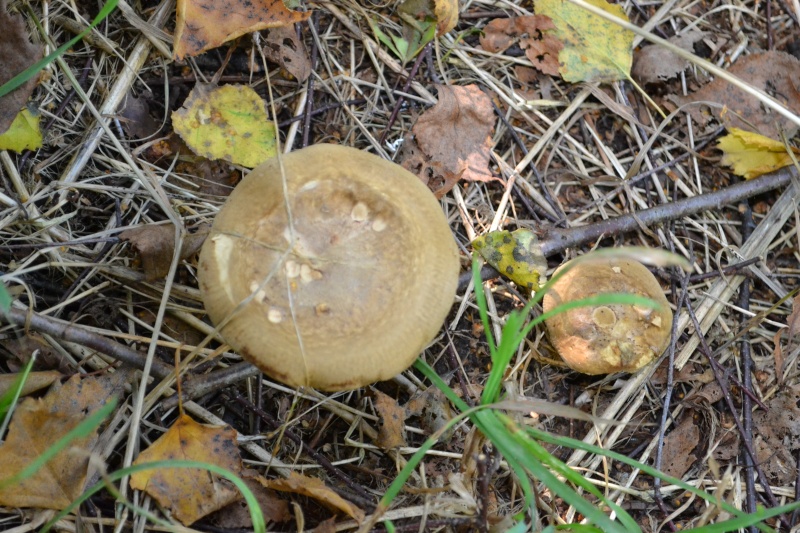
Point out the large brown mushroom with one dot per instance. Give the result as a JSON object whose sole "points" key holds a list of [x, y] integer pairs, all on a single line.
{"points": [[608, 338], [329, 268]]}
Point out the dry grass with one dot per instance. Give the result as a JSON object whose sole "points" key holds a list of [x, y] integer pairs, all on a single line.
{"points": [[91, 181]]}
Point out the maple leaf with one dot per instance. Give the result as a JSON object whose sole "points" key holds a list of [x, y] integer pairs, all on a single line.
{"points": [[205, 24], [595, 49]]}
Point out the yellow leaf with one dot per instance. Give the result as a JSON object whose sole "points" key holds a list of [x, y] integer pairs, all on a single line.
{"points": [[595, 49], [228, 122], [190, 493], [515, 255], [751, 154], [446, 12], [23, 134], [314, 488]]}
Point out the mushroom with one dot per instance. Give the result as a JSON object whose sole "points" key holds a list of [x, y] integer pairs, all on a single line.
{"points": [[602, 339], [335, 277]]}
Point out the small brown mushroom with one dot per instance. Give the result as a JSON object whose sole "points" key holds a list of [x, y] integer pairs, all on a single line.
{"points": [[608, 338], [334, 278]]}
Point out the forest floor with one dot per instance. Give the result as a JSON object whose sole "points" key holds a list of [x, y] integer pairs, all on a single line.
{"points": [[544, 154]]}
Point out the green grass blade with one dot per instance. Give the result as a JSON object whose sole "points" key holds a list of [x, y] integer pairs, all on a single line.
{"points": [[11, 396], [480, 299]]}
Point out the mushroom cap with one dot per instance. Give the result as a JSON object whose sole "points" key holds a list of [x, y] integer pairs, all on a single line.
{"points": [[352, 291], [608, 338]]}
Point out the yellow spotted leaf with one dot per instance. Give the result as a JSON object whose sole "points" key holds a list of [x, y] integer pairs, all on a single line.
{"points": [[751, 154], [516, 255], [190, 493], [446, 12], [23, 134], [595, 49], [228, 122]]}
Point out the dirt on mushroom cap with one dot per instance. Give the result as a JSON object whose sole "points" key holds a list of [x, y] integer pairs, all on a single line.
{"points": [[610, 338], [342, 285]]}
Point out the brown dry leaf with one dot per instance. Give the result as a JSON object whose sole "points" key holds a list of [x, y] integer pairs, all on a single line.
{"points": [[392, 432], [35, 381], [540, 48], [776, 73], [37, 424], [205, 24], [655, 63], [793, 328], [452, 139], [779, 437], [155, 244], [314, 488], [679, 445], [282, 46], [16, 54], [137, 120], [190, 493], [237, 515]]}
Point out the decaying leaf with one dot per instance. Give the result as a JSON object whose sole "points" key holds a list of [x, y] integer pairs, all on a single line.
{"points": [[16, 54], [38, 423], [228, 122], [35, 381], [516, 255], [155, 244], [779, 437], [392, 432], [452, 140], [190, 493], [23, 134], [315, 488], [237, 514], [446, 14], [205, 24], [595, 49], [773, 72], [656, 63], [136, 118], [530, 32], [751, 154], [792, 330], [282, 46], [679, 446]]}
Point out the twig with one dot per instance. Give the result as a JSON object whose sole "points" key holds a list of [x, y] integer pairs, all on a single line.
{"points": [[555, 240], [71, 333]]}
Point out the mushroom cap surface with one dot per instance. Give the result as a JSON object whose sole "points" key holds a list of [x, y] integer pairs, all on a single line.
{"points": [[608, 338], [347, 294]]}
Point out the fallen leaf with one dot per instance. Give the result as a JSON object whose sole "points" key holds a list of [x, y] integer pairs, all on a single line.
{"points": [[792, 329], [452, 140], [237, 514], [530, 32], [228, 122], [326, 526], [779, 436], [314, 488], [35, 381], [515, 255], [23, 134], [446, 14], [678, 455], [190, 493], [155, 244], [201, 25], [751, 154], [656, 63], [136, 118], [595, 49], [16, 54], [392, 430], [773, 72], [282, 46], [37, 424]]}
